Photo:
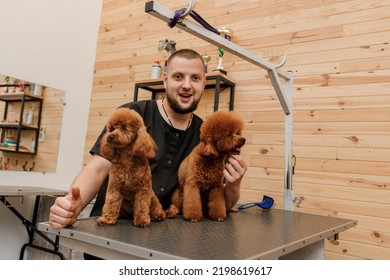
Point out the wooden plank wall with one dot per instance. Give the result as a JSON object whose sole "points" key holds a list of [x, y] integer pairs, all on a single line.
{"points": [[339, 53], [45, 161]]}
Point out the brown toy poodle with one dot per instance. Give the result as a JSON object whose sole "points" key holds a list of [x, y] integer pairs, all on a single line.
{"points": [[201, 179], [128, 146]]}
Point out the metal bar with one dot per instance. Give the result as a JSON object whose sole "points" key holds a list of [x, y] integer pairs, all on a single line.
{"points": [[279, 91], [55, 252], [31, 229], [166, 15], [231, 102], [217, 90], [288, 154], [136, 87], [3, 199], [40, 102], [13, 85], [189, 8]]}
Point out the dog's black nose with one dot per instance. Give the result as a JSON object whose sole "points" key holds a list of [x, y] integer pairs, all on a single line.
{"points": [[243, 140], [111, 138]]}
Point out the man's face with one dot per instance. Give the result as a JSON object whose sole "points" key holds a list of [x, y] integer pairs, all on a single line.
{"points": [[184, 84]]}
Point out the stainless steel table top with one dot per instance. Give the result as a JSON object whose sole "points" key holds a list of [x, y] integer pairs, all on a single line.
{"points": [[250, 234], [20, 190]]}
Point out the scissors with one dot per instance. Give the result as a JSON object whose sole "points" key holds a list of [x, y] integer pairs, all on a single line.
{"points": [[266, 203]]}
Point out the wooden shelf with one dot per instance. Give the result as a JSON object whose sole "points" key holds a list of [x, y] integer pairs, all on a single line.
{"points": [[19, 96], [18, 127], [15, 125], [12, 149], [14, 85]]}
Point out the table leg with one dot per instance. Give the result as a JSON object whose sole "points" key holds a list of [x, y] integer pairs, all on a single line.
{"points": [[31, 230]]}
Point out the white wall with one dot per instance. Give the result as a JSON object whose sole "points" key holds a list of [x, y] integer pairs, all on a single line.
{"points": [[50, 42]]}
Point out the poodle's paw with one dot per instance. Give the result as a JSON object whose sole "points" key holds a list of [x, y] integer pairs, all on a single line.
{"points": [[193, 217], [171, 212], [218, 219], [105, 221], [157, 215], [217, 214], [142, 222], [156, 211]]}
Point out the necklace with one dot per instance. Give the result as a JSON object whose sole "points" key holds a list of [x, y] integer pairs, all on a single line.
{"points": [[169, 120]]}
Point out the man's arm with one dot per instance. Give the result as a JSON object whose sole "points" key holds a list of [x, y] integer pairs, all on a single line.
{"points": [[86, 185]]}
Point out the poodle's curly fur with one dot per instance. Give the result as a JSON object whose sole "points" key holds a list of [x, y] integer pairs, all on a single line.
{"points": [[201, 179], [128, 146]]}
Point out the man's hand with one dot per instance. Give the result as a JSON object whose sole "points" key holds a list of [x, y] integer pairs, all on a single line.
{"points": [[235, 169], [66, 209]]}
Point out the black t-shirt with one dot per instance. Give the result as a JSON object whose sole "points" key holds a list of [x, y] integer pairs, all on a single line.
{"points": [[173, 146]]}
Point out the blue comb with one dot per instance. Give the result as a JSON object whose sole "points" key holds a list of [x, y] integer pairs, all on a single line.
{"points": [[266, 203]]}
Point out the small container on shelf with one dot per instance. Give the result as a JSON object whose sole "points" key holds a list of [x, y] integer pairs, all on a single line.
{"points": [[156, 70], [29, 116], [32, 147], [37, 89]]}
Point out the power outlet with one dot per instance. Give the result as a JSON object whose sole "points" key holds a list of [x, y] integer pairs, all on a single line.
{"points": [[41, 136]]}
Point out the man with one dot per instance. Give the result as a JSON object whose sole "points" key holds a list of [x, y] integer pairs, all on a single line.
{"points": [[175, 129]]}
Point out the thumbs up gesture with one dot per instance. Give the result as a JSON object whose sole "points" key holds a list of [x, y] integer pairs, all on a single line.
{"points": [[66, 209]]}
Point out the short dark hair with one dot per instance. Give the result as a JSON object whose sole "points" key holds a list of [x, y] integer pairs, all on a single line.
{"points": [[185, 53]]}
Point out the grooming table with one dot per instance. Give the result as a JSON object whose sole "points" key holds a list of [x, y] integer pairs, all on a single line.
{"points": [[249, 234], [7, 191]]}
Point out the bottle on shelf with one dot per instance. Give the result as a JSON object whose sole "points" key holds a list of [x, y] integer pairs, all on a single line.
{"points": [[32, 147], [156, 70], [37, 89], [29, 116]]}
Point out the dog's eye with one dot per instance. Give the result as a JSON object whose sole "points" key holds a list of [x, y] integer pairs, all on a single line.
{"points": [[235, 133], [124, 127]]}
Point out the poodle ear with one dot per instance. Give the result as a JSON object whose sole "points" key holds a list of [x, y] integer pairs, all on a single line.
{"points": [[106, 150], [144, 144], [206, 148]]}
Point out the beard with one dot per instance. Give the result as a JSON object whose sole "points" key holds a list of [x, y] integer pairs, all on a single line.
{"points": [[179, 109]]}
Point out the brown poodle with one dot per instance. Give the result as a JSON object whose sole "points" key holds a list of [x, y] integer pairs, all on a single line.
{"points": [[201, 180], [128, 146]]}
